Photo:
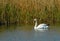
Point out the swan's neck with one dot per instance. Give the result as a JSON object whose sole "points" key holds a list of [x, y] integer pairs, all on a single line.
{"points": [[35, 25]]}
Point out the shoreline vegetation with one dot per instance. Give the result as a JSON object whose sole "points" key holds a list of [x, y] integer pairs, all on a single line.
{"points": [[24, 11]]}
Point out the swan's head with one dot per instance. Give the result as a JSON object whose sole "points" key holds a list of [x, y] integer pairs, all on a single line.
{"points": [[35, 19]]}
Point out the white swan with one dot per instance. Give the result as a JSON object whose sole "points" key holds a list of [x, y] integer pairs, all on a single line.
{"points": [[41, 26]]}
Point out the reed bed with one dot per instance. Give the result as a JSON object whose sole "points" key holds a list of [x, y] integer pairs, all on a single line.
{"points": [[24, 11]]}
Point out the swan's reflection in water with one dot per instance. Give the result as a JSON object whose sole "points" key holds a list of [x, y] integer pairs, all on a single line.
{"points": [[41, 30]]}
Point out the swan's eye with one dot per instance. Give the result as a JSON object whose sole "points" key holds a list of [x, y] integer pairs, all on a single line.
{"points": [[35, 19]]}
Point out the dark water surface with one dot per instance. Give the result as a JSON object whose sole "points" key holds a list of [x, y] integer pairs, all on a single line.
{"points": [[27, 33]]}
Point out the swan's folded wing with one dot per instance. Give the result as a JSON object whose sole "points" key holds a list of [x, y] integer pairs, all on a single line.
{"points": [[39, 26], [42, 26]]}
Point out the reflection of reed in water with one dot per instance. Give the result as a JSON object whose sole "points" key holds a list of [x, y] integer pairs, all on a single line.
{"points": [[7, 28], [25, 28]]}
